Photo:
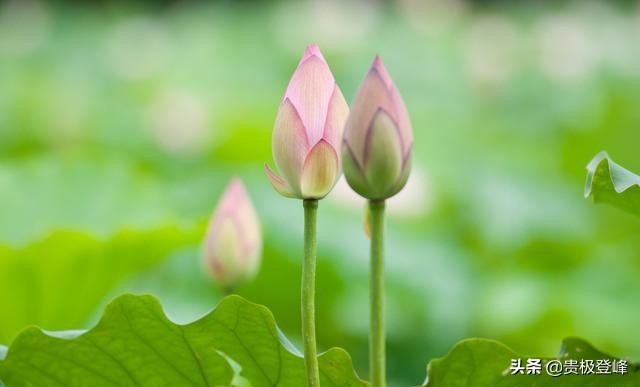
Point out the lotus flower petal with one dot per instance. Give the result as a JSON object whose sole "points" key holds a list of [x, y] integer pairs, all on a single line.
{"points": [[403, 121], [404, 175], [279, 183], [353, 171], [311, 50], [290, 144], [383, 155], [320, 172], [378, 66], [372, 96], [400, 113], [337, 114], [310, 90], [226, 250], [233, 241]]}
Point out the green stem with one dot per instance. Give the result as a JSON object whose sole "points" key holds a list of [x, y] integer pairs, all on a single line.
{"points": [[376, 295], [308, 293]]}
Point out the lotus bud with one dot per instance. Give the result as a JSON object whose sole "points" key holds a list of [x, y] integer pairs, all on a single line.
{"points": [[308, 131], [376, 151], [233, 243]]}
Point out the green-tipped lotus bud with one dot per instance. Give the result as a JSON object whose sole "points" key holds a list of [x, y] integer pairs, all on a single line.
{"points": [[308, 131], [376, 151], [233, 243]]}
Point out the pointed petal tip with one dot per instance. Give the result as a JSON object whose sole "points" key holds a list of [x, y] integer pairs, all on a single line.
{"points": [[377, 63], [378, 66], [312, 50], [233, 194], [323, 142], [236, 184]]}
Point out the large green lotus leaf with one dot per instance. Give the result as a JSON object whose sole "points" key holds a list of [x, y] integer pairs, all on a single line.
{"points": [[608, 182], [59, 281], [486, 363], [135, 344]]}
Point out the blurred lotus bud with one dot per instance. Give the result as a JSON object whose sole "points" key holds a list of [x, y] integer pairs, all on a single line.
{"points": [[233, 244], [376, 151], [308, 131], [366, 221]]}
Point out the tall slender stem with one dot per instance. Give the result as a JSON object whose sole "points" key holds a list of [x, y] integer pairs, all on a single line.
{"points": [[308, 293], [377, 361]]}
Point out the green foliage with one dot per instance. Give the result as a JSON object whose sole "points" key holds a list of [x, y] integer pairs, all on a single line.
{"points": [[239, 344], [485, 363], [135, 344], [608, 182], [61, 278]]}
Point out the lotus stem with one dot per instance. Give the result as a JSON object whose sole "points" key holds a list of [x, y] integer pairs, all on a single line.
{"points": [[377, 362], [308, 293]]}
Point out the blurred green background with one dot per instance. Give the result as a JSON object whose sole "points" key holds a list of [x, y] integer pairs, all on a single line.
{"points": [[121, 124]]}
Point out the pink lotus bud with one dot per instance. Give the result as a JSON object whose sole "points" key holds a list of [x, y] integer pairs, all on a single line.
{"points": [[377, 144], [233, 244], [308, 131]]}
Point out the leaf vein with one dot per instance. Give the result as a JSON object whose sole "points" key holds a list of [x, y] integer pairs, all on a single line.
{"points": [[246, 349], [195, 357], [143, 341], [115, 360]]}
